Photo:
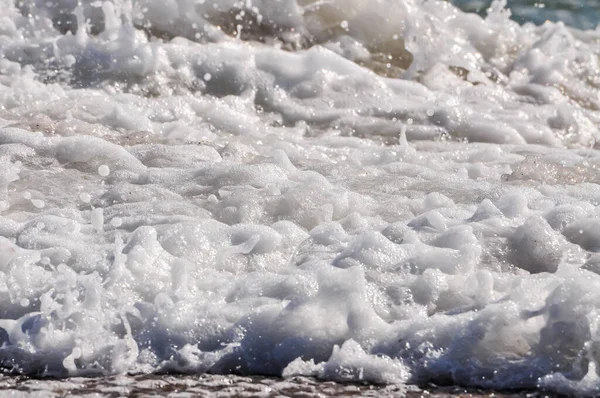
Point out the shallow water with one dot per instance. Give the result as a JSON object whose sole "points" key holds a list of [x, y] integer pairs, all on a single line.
{"points": [[228, 386], [388, 192]]}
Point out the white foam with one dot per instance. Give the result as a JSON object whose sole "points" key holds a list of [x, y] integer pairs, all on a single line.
{"points": [[373, 191]]}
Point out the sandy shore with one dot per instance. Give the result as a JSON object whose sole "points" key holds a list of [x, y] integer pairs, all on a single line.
{"points": [[221, 386]]}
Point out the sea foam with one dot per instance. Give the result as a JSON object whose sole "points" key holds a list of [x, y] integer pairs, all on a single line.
{"points": [[374, 191]]}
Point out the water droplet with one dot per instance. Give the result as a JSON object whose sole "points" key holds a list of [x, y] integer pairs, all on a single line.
{"points": [[104, 170], [97, 219], [85, 197], [76, 353]]}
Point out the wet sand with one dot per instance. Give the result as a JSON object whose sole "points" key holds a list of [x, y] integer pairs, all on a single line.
{"points": [[224, 386]]}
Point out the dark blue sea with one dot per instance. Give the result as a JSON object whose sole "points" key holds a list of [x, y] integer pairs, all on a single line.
{"points": [[583, 14]]}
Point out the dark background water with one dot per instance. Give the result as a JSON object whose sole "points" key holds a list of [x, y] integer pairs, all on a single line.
{"points": [[583, 14]]}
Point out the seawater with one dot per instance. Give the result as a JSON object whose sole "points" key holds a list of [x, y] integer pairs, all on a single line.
{"points": [[582, 14], [389, 192]]}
